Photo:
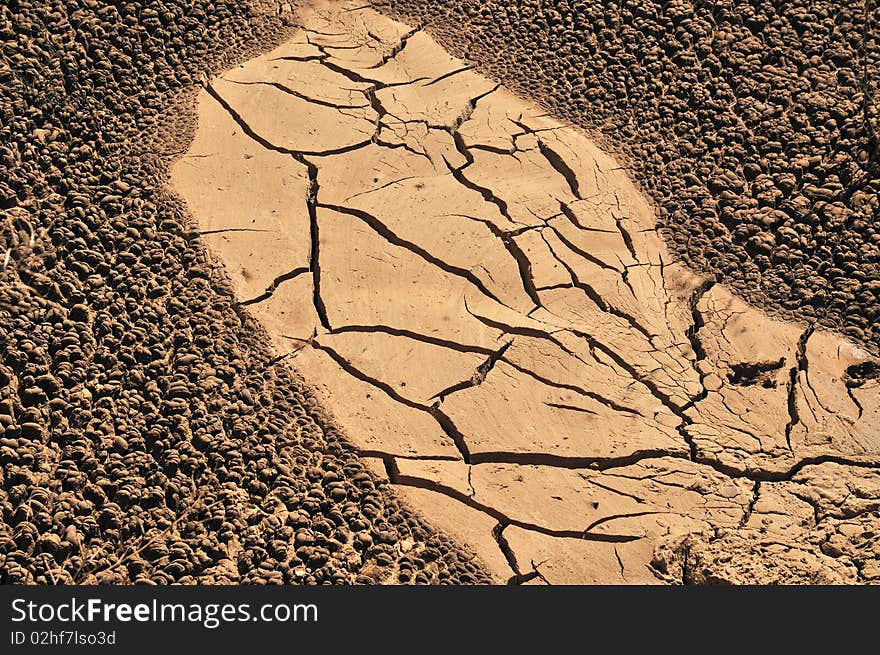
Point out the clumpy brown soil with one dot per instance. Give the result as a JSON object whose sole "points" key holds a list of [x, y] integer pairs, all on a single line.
{"points": [[743, 118], [147, 433], [485, 305]]}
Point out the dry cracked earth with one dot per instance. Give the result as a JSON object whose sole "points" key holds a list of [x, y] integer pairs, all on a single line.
{"points": [[480, 297], [148, 433]]}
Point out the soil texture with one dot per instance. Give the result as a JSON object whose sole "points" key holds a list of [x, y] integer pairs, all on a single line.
{"points": [[481, 297]]}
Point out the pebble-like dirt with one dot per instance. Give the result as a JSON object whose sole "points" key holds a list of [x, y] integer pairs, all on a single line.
{"points": [[147, 432], [486, 306], [744, 119]]}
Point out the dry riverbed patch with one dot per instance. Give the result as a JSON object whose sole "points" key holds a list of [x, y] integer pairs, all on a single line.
{"points": [[480, 297]]}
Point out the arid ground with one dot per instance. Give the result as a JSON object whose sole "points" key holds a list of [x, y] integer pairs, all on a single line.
{"points": [[294, 295]]}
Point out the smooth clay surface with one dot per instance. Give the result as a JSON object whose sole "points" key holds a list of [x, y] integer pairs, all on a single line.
{"points": [[480, 297]]}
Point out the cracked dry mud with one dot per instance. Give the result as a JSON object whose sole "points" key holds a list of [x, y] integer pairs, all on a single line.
{"points": [[479, 295]]}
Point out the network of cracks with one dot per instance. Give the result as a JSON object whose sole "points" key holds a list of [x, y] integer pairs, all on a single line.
{"points": [[480, 297]]}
